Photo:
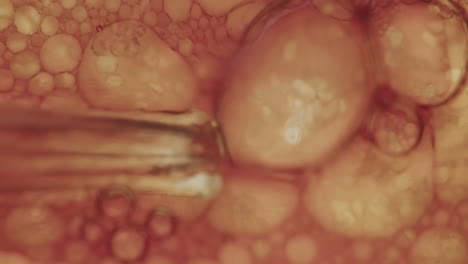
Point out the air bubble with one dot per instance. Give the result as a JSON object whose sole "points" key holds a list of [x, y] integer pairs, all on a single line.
{"points": [[76, 251], [270, 13], [116, 202], [396, 130], [128, 244], [13, 258], [93, 232], [34, 226], [442, 8], [109, 260], [162, 223]]}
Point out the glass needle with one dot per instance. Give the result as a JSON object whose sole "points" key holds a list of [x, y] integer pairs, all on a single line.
{"points": [[46, 150]]}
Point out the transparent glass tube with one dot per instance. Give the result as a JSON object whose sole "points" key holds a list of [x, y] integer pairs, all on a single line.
{"points": [[42, 150]]}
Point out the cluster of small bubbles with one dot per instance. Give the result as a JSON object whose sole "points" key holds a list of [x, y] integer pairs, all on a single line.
{"points": [[118, 222]]}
